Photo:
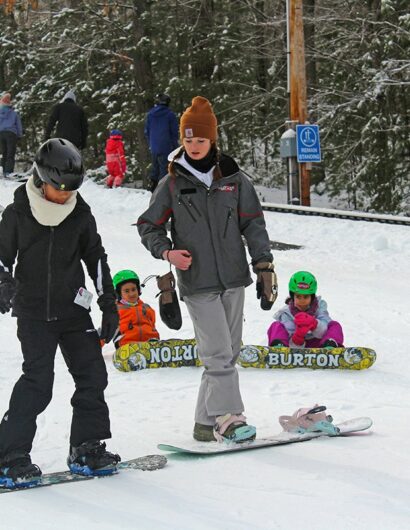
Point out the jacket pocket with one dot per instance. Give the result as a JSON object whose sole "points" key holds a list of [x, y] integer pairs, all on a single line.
{"points": [[228, 218], [187, 208]]}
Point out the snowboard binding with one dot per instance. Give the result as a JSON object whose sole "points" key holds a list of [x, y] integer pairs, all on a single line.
{"points": [[308, 420]]}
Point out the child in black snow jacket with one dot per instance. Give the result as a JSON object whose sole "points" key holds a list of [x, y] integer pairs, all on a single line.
{"points": [[49, 228]]}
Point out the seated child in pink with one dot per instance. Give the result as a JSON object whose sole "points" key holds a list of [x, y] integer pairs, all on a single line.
{"points": [[304, 321]]}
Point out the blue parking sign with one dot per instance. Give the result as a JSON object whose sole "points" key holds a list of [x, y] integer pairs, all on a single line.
{"points": [[308, 143]]}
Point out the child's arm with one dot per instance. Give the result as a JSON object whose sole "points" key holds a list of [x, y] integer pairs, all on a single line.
{"points": [[323, 319], [8, 240], [287, 320], [123, 160], [8, 253], [95, 259]]}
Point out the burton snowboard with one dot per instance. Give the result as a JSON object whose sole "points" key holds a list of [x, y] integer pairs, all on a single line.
{"points": [[143, 463], [173, 353], [352, 358], [283, 438]]}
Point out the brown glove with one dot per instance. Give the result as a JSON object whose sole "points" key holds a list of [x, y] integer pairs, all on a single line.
{"points": [[266, 284], [169, 309]]}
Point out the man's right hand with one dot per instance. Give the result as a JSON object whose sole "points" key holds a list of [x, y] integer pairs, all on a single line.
{"points": [[181, 259]]}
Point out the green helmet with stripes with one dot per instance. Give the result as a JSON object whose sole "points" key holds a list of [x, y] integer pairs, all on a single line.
{"points": [[303, 282]]}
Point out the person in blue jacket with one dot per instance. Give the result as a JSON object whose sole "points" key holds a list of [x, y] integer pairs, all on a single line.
{"points": [[10, 131], [161, 132]]}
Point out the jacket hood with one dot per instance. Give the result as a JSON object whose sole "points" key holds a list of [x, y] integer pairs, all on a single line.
{"points": [[227, 164], [159, 111]]}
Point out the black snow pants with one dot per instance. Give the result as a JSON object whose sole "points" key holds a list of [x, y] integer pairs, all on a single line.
{"points": [[80, 345], [8, 143]]}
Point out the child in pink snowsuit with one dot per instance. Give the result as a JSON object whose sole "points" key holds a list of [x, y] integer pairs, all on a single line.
{"points": [[304, 322], [115, 159]]}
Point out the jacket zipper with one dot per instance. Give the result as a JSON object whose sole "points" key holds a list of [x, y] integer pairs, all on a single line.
{"points": [[181, 201], [139, 323], [50, 248], [227, 221]]}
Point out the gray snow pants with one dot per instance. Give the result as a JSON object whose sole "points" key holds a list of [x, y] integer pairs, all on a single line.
{"points": [[218, 318]]}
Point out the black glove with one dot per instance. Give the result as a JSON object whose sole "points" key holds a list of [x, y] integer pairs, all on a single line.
{"points": [[7, 291], [110, 318], [266, 284]]}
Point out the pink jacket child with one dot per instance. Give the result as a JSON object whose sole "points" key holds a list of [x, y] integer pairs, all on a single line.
{"points": [[115, 159], [304, 322]]}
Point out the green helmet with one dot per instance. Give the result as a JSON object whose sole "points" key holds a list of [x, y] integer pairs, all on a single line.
{"points": [[125, 276], [303, 282]]}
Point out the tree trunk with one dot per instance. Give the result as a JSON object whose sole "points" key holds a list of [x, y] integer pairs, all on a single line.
{"points": [[143, 81]]}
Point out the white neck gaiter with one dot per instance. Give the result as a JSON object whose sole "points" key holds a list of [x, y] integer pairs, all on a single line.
{"points": [[45, 212]]}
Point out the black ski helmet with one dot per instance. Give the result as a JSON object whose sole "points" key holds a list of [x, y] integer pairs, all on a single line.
{"points": [[162, 99], [58, 162]]}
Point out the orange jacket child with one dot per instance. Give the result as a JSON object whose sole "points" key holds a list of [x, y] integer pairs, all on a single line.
{"points": [[137, 319], [115, 159]]}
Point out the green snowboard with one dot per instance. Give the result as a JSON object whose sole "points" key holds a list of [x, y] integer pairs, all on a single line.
{"points": [[192, 447]]}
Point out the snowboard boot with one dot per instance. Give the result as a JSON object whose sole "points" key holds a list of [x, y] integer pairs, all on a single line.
{"points": [[233, 428], [330, 344], [309, 420], [17, 471], [204, 433], [92, 458]]}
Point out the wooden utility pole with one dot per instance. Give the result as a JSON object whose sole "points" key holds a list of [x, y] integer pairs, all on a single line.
{"points": [[297, 103]]}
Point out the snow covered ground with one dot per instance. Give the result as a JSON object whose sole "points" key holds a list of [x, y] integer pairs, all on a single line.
{"points": [[359, 483]]}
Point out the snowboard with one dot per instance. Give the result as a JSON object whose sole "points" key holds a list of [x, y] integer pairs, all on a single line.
{"points": [[171, 353], [174, 353], [143, 463], [348, 427], [351, 358]]}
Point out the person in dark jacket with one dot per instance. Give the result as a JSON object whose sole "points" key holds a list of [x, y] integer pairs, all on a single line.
{"points": [[50, 230], [211, 204], [71, 121], [161, 132], [10, 131]]}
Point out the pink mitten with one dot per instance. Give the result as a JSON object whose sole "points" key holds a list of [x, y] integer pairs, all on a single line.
{"points": [[305, 320], [299, 336]]}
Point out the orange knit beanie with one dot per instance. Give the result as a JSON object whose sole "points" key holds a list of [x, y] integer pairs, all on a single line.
{"points": [[199, 121]]}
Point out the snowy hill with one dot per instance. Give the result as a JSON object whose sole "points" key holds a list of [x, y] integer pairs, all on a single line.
{"points": [[357, 483]]}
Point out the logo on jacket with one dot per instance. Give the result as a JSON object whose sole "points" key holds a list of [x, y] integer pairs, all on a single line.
{"points": [[227, 187]]}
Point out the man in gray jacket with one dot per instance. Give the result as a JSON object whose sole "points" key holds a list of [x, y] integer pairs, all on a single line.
{"points": [[211, 204]]}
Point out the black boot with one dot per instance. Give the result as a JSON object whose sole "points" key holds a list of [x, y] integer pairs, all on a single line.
{"points": [[17, 471], [330, 343], [92, 458], [277, 343]]}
